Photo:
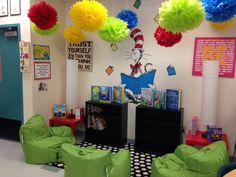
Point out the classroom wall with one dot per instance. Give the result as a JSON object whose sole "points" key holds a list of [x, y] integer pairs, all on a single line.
{"points": [[44, 100], [24, 22], [180, 56]]}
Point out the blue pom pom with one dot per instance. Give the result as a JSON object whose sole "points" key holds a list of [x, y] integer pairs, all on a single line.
{"points": [[128, 16], [219, 10]]}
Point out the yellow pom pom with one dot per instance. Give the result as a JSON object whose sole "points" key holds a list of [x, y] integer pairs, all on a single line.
{"points": [[221, 25], [73, 35], [88, 15]]}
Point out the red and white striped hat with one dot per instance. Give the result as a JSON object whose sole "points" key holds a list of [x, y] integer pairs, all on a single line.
{"points": [[138, 38]]}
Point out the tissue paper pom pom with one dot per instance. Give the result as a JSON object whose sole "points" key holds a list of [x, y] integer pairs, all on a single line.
{"points": [[43, 15], [114, 30], [221, 25], [166, 38], [181, 15], [45, 32], [88, 15], [128, 16], [219, 10], [73, 35]]}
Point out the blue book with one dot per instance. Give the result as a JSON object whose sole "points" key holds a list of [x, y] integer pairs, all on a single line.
{"points": [[173, 99], [136, 83], [105, 94]]}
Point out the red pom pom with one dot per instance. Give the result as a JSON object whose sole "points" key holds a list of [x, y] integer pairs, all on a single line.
{"points": [[43, 15], [166, 38]]}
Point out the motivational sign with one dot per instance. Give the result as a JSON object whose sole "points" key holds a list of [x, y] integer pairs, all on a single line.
{"points": [[222, 49], [42, 70], [83, 53], [24, 56]]}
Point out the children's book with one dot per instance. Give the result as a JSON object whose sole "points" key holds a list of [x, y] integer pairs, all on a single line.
{"points": [[147, 96], [173, 99], [95, 93], [118, 94], [59, 110], [159, 99], [105, 94]]}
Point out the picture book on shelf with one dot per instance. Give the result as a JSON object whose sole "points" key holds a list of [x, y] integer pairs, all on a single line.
{"points": [[173, 99], [95, 93], [59, 110], [118, 94], [159, 99], [147, 96], [105, 94]]}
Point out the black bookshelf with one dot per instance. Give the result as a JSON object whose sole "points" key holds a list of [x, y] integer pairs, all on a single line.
{"points": [[115, 116], [158, 131]]}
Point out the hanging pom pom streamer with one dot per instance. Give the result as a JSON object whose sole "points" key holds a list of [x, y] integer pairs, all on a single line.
{"points": [[166, 38], [221, 25], [45, 32], [128, 16], [114, 30], [43, 15], [73, 35], [88, 15], [181, 15], [219, 10]]}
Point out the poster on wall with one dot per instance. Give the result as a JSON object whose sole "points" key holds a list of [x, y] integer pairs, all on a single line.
{"points": [[3, 8], [42, 70], [83, 53], [41, 52], [222, 49], [15, 7], [24, 56]]}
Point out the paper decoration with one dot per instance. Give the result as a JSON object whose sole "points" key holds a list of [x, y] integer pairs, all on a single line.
{"points": [[109, 70], [222, 49], [41, 52], [83, 53], [129, 17], [42, 70], [210, 92], [137, 4], [88, 15], [171, 70], [72, 79], [156, 19], [114, 30], [114, 47], [24, 56]]}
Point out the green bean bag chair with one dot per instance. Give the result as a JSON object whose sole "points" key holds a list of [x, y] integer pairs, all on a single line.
{"points": [[90, 162], [42, 144], [188, 161]]}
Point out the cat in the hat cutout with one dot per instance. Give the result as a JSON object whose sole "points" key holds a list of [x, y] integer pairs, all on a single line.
{"points": [[137, 79], [137, 51]]}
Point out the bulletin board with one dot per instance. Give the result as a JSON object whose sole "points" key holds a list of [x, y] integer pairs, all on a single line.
{"points": [[222, 49]]}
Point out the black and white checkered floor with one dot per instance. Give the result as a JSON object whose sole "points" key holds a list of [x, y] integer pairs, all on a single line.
{"points": [[141, 162]]}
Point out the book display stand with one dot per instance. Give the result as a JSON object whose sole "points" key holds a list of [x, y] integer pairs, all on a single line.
{"points": [[106, 123], [158, 131]]}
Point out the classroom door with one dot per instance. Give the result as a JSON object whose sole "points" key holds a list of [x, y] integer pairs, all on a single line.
{"points": [[11, 96]]}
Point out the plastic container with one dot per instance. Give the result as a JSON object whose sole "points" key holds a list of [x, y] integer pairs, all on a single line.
{"points": [[194, 125]]}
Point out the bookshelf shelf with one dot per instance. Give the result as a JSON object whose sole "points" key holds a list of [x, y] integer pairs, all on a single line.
{"points": [[158, 131], [115, 116]]}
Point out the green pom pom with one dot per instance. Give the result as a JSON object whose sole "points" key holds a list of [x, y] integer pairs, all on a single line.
{"points": [[45, 32], [114, 30], [181, 15]]}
